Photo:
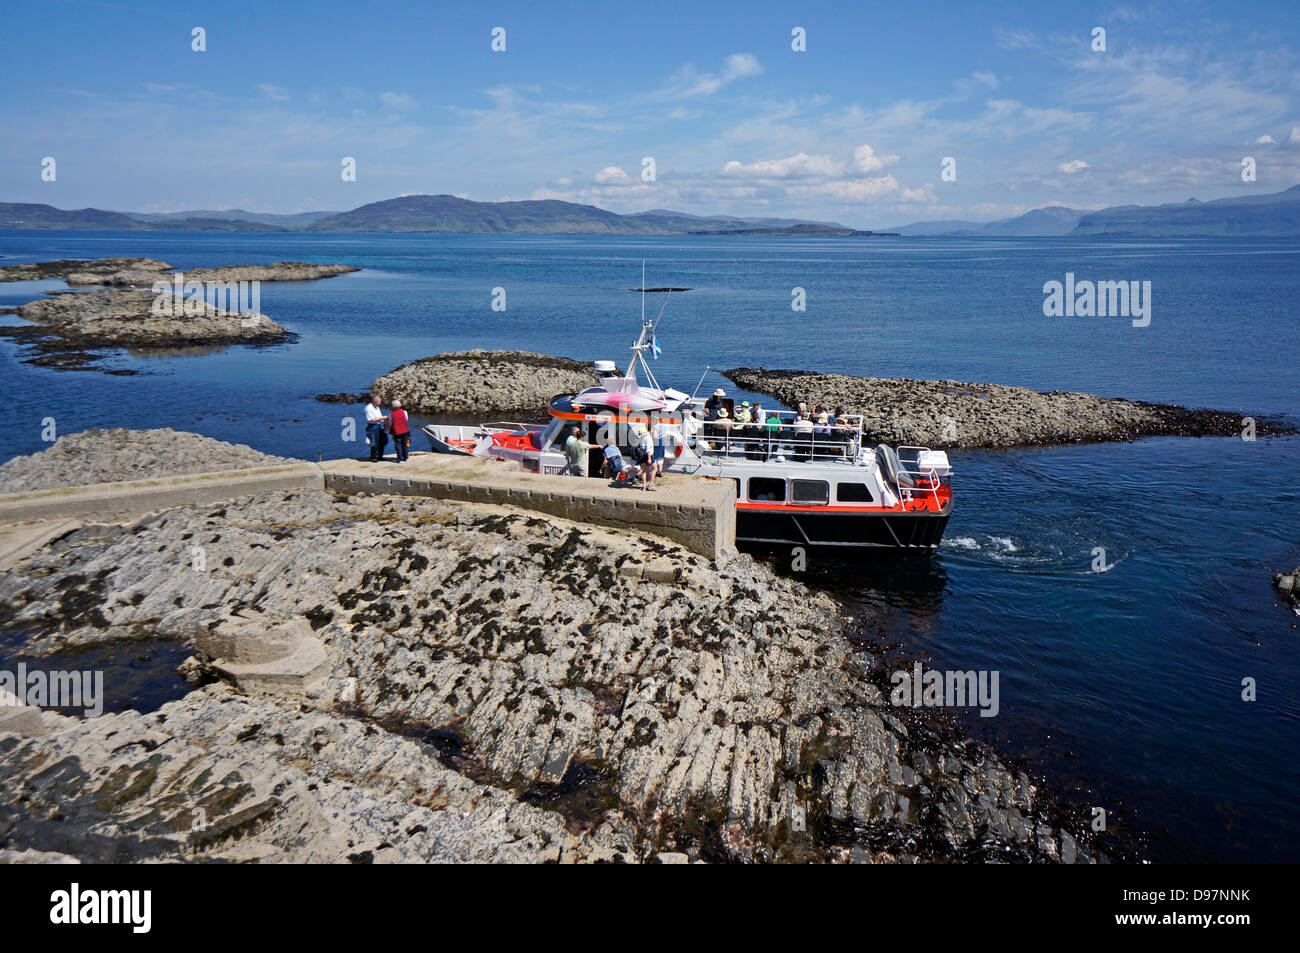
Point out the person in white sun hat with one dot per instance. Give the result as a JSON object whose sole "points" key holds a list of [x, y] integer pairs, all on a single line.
{"points": [[714, 403]]}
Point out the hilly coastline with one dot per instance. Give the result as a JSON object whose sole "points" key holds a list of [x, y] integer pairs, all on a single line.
{"points": [[1271, 215], [447, 214]]}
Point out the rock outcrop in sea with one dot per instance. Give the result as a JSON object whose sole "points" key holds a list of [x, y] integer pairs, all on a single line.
{"points": [[138, 272], [1288, 585], [948, 414], [71, 331], [62, 268], [389, 678], [478, 381]]}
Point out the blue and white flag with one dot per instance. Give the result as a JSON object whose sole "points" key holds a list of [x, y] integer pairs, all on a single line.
{"points": [[655, 349]]}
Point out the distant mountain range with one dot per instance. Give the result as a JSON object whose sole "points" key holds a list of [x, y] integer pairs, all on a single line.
{"points": [[422, 213], [1049, 220], [1277, 214], [1274, 214]]}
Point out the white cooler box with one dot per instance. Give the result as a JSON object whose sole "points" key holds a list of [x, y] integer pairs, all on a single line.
{"points": [[935, 460]]}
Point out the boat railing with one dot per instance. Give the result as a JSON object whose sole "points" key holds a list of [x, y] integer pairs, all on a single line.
{"points": [[924, 479], [510, 425], [760, 441]]}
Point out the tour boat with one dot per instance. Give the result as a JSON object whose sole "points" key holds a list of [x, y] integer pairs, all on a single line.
{"points": [[823, 488]]}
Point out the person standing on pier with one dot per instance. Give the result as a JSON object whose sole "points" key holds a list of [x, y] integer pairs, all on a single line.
{"points": [[575, 451], [375, 435], [645, 456], [400, 428]]}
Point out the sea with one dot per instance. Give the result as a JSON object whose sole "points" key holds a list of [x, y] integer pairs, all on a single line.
{"points": [[1148, 672]]}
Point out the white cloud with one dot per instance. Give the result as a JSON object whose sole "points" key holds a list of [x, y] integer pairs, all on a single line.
{"points": [[276, 94], [1266, 139], [688, 82], [1073, 166], [924, 194], [796, 166], [856, 190], [802, 165], [865, 160], [397, 101], [1294, 138], [612, 175]]}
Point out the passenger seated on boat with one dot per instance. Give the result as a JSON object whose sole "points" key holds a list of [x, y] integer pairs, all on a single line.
{"points": [[760, 415], [722, 423], [822, 424], [802, 425], [743, 416], [713, 403]]}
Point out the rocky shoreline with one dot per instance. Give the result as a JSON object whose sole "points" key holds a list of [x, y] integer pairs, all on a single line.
{"points": [[479, 382], [954, 414], [396, 679], [71, 331]]}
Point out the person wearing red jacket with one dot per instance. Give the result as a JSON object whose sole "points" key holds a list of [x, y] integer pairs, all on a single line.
{"points": [[400, 432]]}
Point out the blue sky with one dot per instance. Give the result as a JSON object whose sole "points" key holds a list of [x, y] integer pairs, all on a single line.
{"points": [[852, 130]]}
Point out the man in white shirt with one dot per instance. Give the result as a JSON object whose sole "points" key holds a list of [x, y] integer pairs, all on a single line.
{"points": [[375, 435], [645, 451], [665, 435]]}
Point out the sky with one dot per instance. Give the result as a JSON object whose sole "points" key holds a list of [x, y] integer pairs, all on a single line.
{"points": [[853, 129]]}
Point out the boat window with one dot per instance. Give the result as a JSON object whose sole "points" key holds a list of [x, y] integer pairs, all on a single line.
{"points": [[852, 493], [810, 491], [737, 482], [766, 490]]}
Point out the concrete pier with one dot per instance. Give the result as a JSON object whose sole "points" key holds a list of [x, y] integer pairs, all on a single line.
{"points": [[697, 513]]}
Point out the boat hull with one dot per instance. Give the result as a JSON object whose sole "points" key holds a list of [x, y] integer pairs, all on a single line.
{"points": [[920, 531]]}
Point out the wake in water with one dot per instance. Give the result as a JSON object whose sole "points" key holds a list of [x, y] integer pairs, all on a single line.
{"points": [[1066, 557]]}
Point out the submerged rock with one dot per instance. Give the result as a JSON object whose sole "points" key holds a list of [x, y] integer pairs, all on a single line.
{"points": [[484, 382], [945, 414], [110, 455]]}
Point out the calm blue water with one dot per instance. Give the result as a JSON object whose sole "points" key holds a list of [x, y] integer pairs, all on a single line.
{"points": [[1122, 687]]}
